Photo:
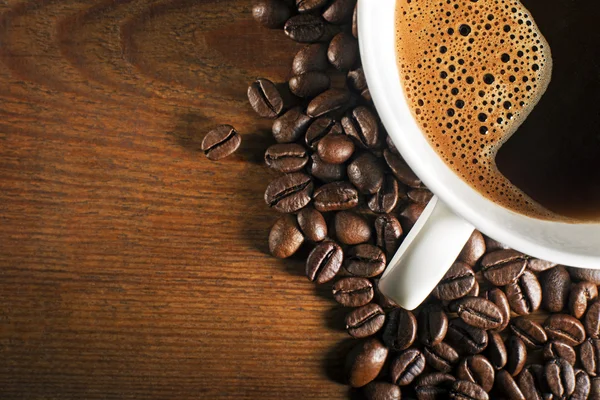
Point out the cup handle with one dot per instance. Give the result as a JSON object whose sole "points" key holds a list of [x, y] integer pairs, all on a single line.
{"points": [[427, 252]]}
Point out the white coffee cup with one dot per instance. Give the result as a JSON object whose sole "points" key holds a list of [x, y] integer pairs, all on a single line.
{"points": [[456, 209]]}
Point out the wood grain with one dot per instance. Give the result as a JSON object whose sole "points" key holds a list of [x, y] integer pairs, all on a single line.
{"points": [[131, 266]]}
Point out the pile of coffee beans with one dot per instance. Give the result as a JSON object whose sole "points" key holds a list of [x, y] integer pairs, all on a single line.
{"points": [[499, 325]]}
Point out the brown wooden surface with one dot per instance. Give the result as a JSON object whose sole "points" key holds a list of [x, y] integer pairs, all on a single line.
{"points": [[130, 265]]}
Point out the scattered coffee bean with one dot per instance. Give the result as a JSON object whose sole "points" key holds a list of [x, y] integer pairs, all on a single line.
{"points": [[221, 142], [466, 338], [463, 390], [382, 391], [285, 237], [288, 157], [473, 250], [476, 369], [441, 357], [496, 350], [506, 385], [271, 13], [351, 228], [320, 128], [365, 260], [290, 192], [356, 80], [308, 28], [312, 224], [407, 366], [516, 355], [595, 389], [339, 11], [324, 262], [560, 377], [335, 148], [530, 382], [477, 312], [343, 51], [434, 386], [326, 172], [581, 294], [502, 267], [304, 6], [432, 325], [388, 232], [533, 334], [582, 386], [311, 58], [524, 294], [365, 321], [592, 320], [556, 284], [386, 197], [498, 297], [410, 214], [290, 126], [362, 125], [556, 349], [589, 355], [309, 84], [492, 245], [584, 274], [400, 330], [474, 292], [565, 328], [353, 292], [366, 173], [364, 362], [336, 196], [401, 170], [329, 101], [355, 22], [457, 282], [421, 196], [265, 99], [537, 265]]}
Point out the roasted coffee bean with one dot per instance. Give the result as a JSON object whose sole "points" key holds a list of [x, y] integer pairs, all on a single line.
{"points": [[565, 328], [356, 80], [498, 297], [271, 13], [364, 362], [582, 386], [434, 386], [407, 366], [288, 157], [328, 101], [289, 193], [335, 148], [353, 292], [335, 196], [386, 197], [339, 11], [592, 320], [324, 262], [326, 172], [473, 250], [457, 282], [533, 334], [311, 58], [502, 267], [366, 173], [355, 22], [463, 390], [365, 260], [524, 294], [320, 128], [506, 385], [531, 380], [312, 224], [556, 349], [441, 357], [343, 51], [581, 294], [556, 284], [516, 355], [285, 237], [421, 196], [362, 125], [388, 232], [309, 84], [466, 338], [351, 228], [496, 350], [304, 6], [537, 265], [400, 329], [589, 355], [308, 28], [477, 312], [560, 377], [410, 214], [265, 99], [474, 292], [382, 391], [432, 325], [492, 245], [365, 321], [221, 142], [290, 126], [476, 369], [583, 274], [401, 170]]}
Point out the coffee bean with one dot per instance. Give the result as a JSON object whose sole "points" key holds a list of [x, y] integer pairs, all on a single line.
{"points": [[525, 294], [502, 267], [537, 265], [309, 84], [351, 228], [589, 355], [464, 390], [498, 297], [365, 321], [492, 245], [288, 157], [320, 128], [407, 366], [388, 232], [582, 386], [477, 312], [326, 172], [400, 329], [556, 284], [434, 386], [401, 170], [565, 328], [592, 320], [410, 214], [581, 294], [466, 338], [441, 357], [531, 380], [506, 385], [496, 350], [339, 11], [308, 28], [271, 13], [457, 282], [329, 101], [285, 237], [583, 274], [335, 148], [324, 262], [556, 349], [343, 51], [221, 142], [516, 355], [290, 192], [365, 260], [312, 224], [304, 6], [311, 58], [432, 325], [474, 292], [364, 362], [356, 80], [382, 391], [362, 125], [353, 292], [386, 197], [476, 369], [366, 173], [421, 196], [533, 334], [290, 126], [265, 99], [335, 196], [355, 22], [381, 299], [560, 377], [473, 250]]}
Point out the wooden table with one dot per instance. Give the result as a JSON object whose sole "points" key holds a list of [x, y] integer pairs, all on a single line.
{"points": [[130, 265]]}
